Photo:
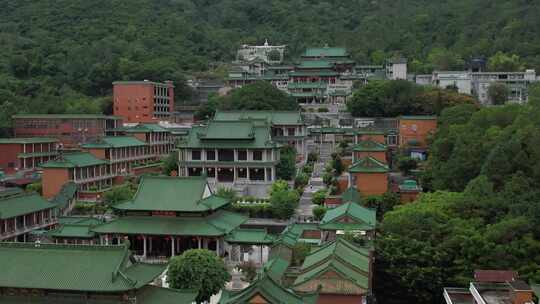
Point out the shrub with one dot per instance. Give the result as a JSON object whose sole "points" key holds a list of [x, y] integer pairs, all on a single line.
{"points": [[406, 164], [319, 212], [227, 193], [312, 157], [319, 196], [301, 180], [323, 110], [299, 253]]}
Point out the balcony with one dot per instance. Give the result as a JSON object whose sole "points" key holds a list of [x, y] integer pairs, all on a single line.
{"points": [[132, 158], [23, 230]]}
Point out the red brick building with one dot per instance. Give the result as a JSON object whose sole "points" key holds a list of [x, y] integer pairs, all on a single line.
{"points": [[143, 101], [159, 139], [369, 176], [25, 153], [92, 175], [70, 129], [123, 153], [414, 130]]}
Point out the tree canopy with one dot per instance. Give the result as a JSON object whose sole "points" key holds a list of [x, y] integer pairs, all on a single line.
{"points": [[72, 50], [401, 97], [198, 269], [484, 213]]}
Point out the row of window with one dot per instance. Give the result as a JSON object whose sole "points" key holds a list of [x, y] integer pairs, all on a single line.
{"points": [[227, 155]]}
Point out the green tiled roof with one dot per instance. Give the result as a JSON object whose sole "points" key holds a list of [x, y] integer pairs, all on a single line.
{"points": [[249, 236], [37, 154], [293, 234], [270, 290], [418, 117], [307, 94], [359, 218], [409, 185], [115, 142], [370, 132], [72, 267], [157, 295], [368, 165], [72, 231], [313, 73], [179, 194], [66, 116], [273, 117], [145, 128], [242, 130], [228, 134], [351, 195], [348, 260], [325, 52], [369, 146], [315, 64], [276, 267], [72, 160], [75, 227], [217, 224], [29, 140], [23, 204], [307, 85]]}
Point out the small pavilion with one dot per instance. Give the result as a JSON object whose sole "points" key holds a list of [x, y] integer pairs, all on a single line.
{"points": [[169, 215], [349, 217]]}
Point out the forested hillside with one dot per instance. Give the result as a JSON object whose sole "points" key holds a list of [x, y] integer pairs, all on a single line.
{"points": [[59, 55]]}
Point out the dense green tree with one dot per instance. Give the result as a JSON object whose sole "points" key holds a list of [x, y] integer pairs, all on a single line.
{"points": [[319, 212], [400, 97], [118, 194], [170, 164], [283, 200], [445, 60], [504, 62], [198, 269], [286, 168], [498, 93]]}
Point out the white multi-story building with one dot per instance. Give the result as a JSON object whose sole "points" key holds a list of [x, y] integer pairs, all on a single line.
{"points": [[396, 69], [267, 53], [478, 83]]}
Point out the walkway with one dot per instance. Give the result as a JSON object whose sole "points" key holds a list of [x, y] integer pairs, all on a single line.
{"points": [[305, 207]]}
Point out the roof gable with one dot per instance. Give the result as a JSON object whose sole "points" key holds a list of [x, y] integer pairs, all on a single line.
{"points": [[228, 130], [369, 146], [359, 218], [351, 195], [273, 117], [348, 260], [72, 267], [178, 194], [266, 289], [368, 165]]}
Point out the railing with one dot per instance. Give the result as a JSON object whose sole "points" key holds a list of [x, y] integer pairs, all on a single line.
{"points": [[26, 229], [151, 259]]}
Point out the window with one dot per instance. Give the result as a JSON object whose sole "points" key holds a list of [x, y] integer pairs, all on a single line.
{"points": [[257, 155], [242, 155], [211, 155], [291, 131], [391, 140], [196, 154]]}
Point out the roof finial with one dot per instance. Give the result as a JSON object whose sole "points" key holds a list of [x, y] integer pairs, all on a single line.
{"points": [[265, 42]]}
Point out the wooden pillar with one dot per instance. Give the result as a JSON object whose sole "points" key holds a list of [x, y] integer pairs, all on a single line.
{"points": [[199, 245], [217, 247], [173, 239], [144, 246]]}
